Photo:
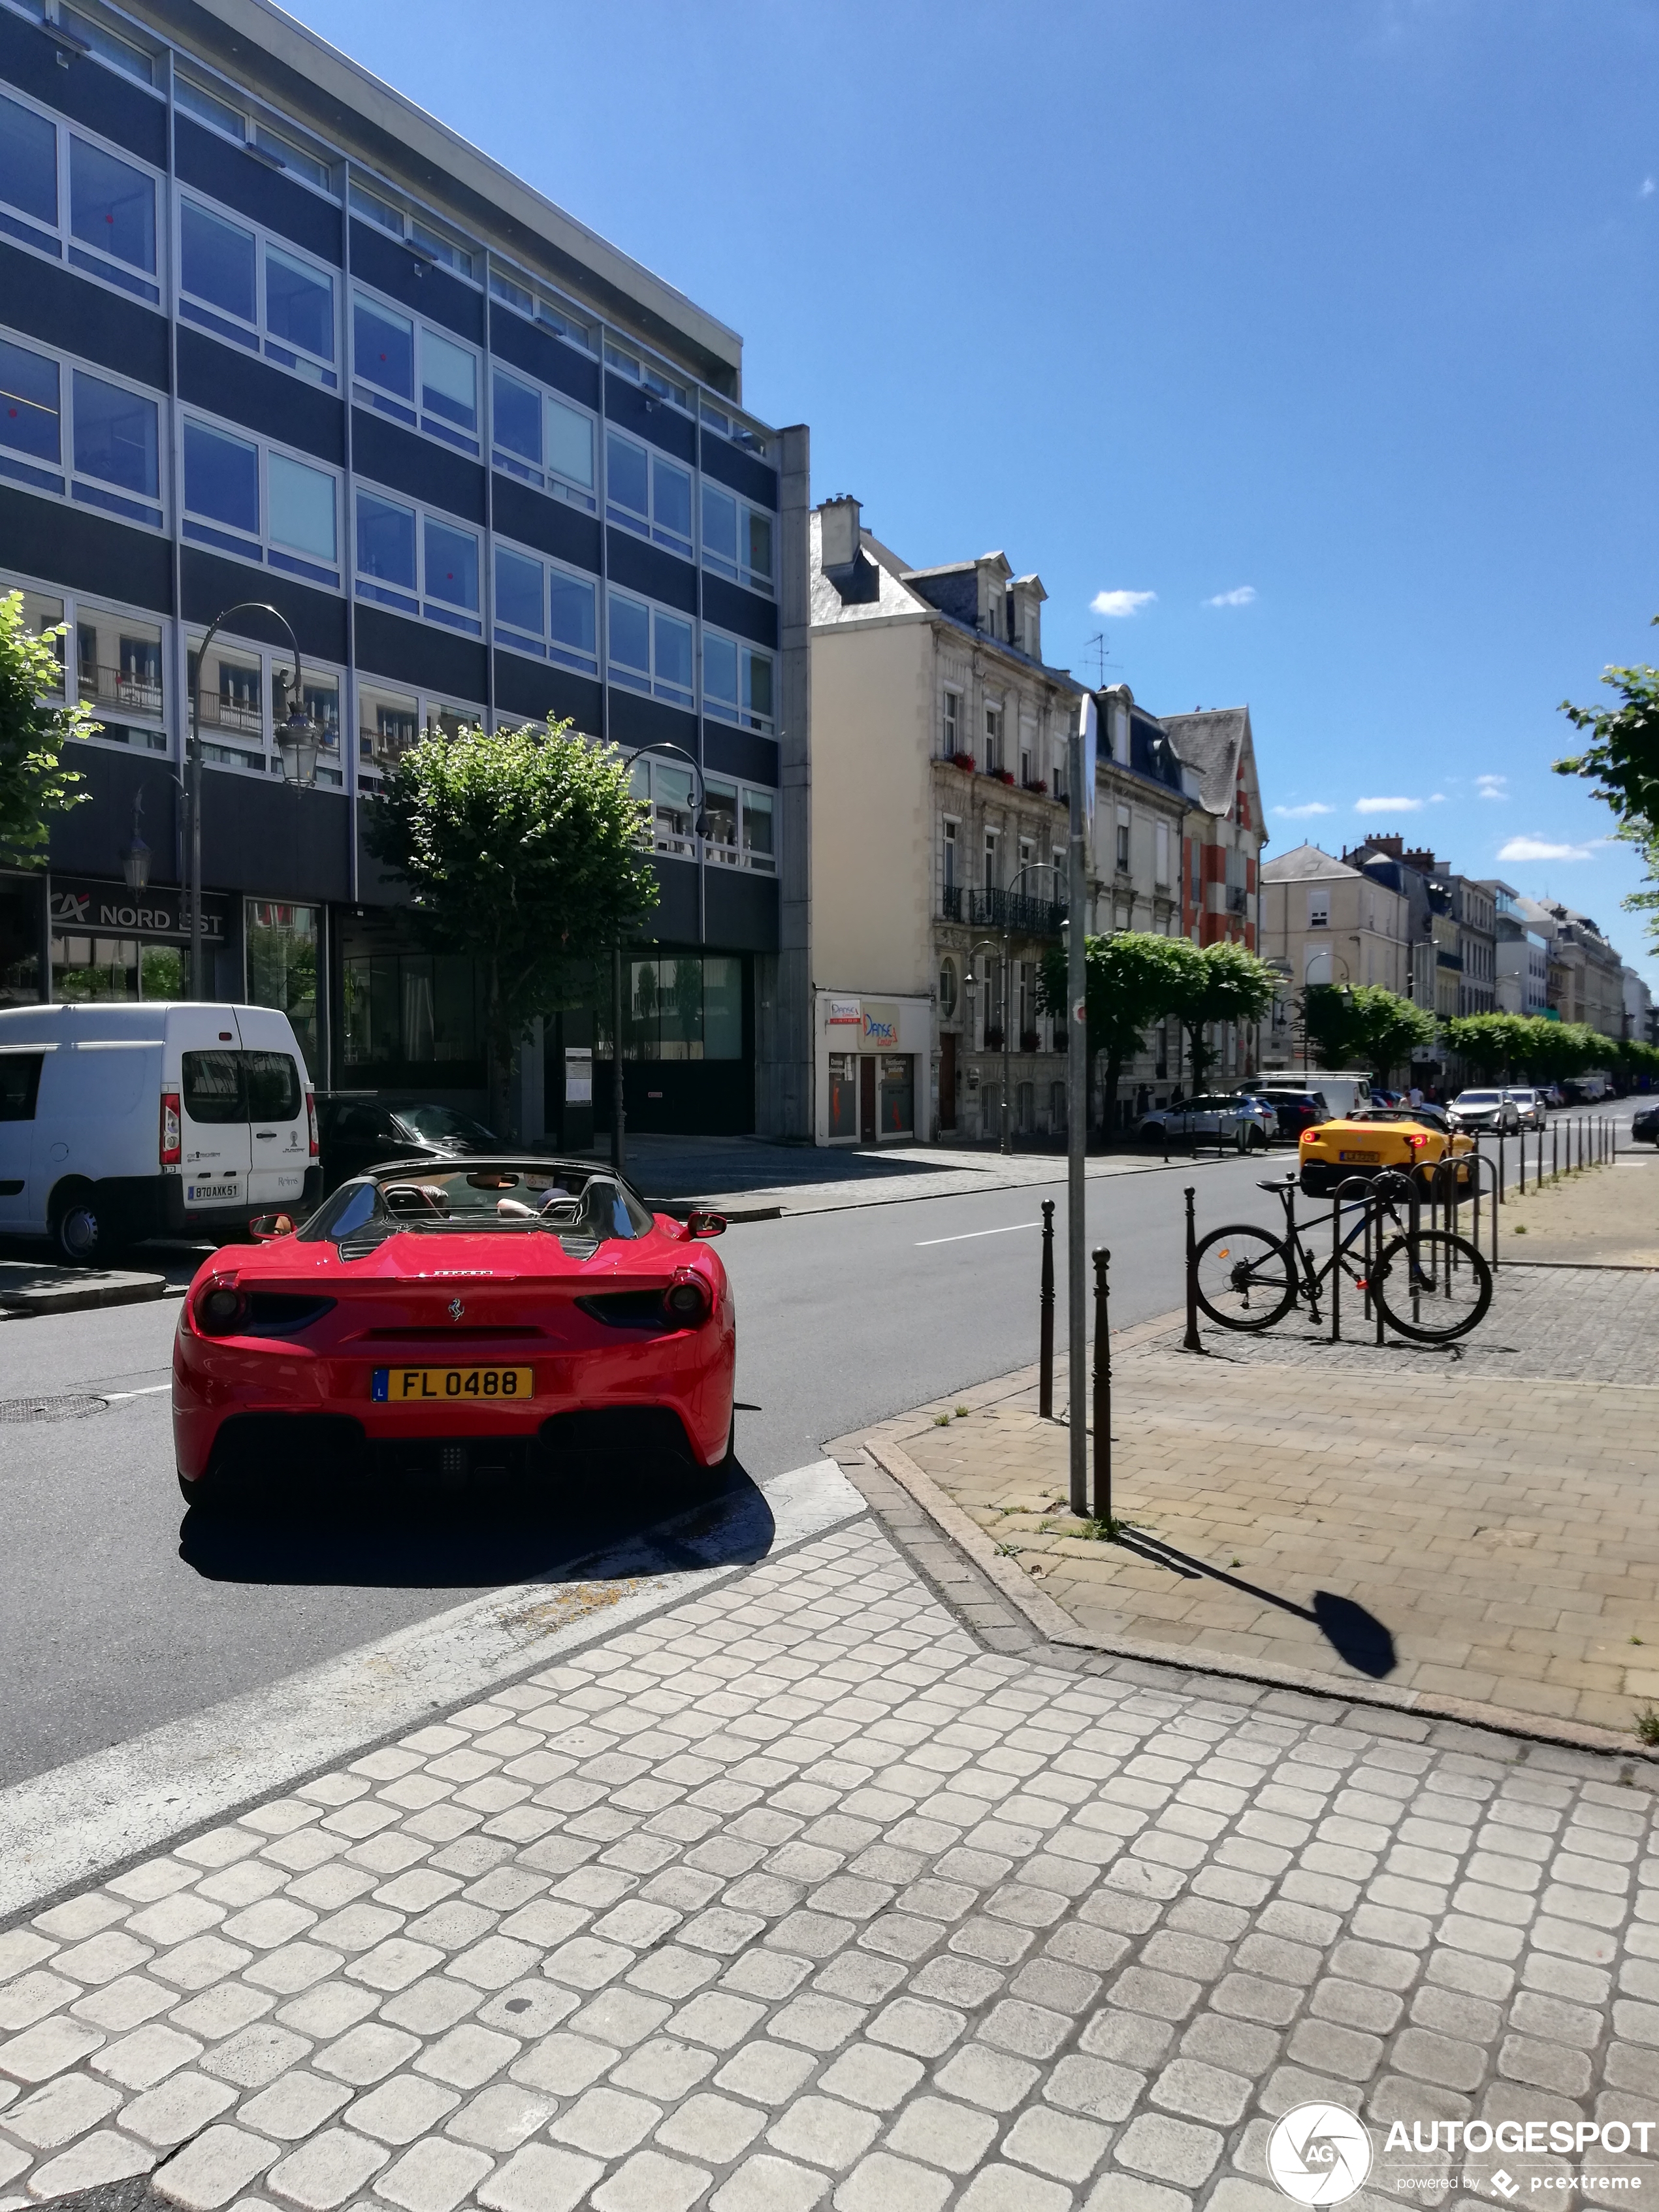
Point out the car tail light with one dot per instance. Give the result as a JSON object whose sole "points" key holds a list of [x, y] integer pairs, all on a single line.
{"points": [[172, 1134], [1417, 1138], [220, 1310], [687, 1301], [310, 1120]]}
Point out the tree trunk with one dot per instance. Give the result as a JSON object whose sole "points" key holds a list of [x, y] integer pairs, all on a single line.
{"points": [[498, 1054], [1111, 1076]]}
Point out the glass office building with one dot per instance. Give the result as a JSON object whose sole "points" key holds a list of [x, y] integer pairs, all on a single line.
{"points": [[269, 333]]}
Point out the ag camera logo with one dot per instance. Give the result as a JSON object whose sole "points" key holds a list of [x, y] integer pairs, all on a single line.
{"points": [[1319, 2155]]}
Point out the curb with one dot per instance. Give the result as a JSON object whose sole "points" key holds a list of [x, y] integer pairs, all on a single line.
{"points": [[75, 1296], [1054, 1626]]}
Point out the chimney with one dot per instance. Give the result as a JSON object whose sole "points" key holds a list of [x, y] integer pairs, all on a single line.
{"points": [[840, 536]]}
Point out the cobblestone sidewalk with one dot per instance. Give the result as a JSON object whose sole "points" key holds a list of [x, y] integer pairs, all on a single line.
{"points": [[794, 1895], [1479, 1530]]}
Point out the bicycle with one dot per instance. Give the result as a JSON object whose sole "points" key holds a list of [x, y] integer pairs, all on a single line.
{"points": [[1431, 1285]]}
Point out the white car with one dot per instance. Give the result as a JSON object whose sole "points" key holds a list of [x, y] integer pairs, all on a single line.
{"points": [[118, 1121], [1490, 1111], [1532, 1107], [1211, 1120]]}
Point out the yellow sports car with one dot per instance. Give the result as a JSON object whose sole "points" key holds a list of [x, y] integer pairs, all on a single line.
{"points": [[1373, 1138]]}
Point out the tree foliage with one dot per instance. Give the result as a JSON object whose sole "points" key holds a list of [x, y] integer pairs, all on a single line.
{"points": [[1622, 762], [1364, 1026], [1227, 984], [525, 849], [1526, 1044], [34, 784], [1133, 980]]}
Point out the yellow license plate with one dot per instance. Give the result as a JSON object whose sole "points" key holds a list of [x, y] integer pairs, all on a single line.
{"points": [[434, 1386], [1369, 1158]]}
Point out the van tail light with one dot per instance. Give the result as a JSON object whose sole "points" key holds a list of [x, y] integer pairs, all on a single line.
{"points": [[310, 1120], [173, 1150]]}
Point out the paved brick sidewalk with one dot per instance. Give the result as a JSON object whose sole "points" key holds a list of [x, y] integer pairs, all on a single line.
{"points": [[1479, 1530], [794, 1895]]}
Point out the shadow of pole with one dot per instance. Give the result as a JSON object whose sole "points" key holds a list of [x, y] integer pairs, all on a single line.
{"points": [[1358, 1638]]}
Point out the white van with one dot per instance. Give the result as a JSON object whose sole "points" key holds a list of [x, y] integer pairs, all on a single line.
{"points": [[1341, 1092], [120, 1121]]}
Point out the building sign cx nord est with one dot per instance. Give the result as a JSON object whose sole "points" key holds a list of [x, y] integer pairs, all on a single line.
{"points": [[111, 909]]}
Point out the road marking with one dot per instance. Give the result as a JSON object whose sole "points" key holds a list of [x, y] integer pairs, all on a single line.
{"points": [[149, 1390], [968, 1234], [61, 1830]]}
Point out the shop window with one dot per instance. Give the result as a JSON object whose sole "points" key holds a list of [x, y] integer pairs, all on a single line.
{"points": [[85, 968], [412, 1010], [282, 942], [897, 1094], [681, 1006], [843, 1095]]}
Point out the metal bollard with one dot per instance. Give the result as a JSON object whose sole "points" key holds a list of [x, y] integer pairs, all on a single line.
{"points": [[1555, 1157], [1102, 1392], [1503, 1140], [1046, 1317], [1336, 1271], [1191, 1342]]}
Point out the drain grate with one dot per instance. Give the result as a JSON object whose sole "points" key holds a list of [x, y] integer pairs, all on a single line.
{"points": [[74, 1408]]}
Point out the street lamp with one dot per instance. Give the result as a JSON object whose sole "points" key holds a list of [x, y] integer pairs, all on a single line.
{"points": [[134, 861], [296, 748], [699, 825]]}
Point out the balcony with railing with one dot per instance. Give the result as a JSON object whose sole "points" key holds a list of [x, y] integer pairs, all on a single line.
{"points": [[138, 693], [1015, 912]]}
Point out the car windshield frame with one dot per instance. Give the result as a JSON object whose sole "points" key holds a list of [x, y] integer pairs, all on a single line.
{"points": [[1479, 1099], [584, 1207]]}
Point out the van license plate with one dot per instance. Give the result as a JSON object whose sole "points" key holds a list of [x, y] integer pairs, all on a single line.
{"points": [[397, 1386], [1365, 1158], [213, 1194]]}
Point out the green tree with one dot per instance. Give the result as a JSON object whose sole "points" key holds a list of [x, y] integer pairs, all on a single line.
{"points": [[1622, 762], [1493, 1044], [34, 784], [1132, 980], [1227, 984], [526, 849], [1362, 1025]]}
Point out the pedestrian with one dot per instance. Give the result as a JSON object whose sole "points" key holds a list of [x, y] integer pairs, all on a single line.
{"points": [[1416, 1095]]}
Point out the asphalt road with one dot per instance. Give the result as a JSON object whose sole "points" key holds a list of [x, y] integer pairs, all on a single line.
{"points": [[119, 1612]]}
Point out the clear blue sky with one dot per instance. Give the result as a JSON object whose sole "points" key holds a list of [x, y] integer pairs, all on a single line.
{"points": [[1344, 314]]}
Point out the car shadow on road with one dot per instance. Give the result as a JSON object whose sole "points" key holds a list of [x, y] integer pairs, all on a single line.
{"points": [[377, 1541], [1356, 1637]]}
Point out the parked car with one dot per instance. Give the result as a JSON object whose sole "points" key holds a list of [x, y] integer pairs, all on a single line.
{"points": [[1494, 1111], [1374, 1139], [1295, 1110], [505, 1315], [1213, 1119], [121, 1121], [1530, 1106], [1645, 1125], [357, 1132], [1553, 1097], [1259, 1103]]}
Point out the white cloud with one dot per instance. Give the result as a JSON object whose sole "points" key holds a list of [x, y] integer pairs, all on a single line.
{"points": [[1649, 188], [1436, 798], [1388, 806], [1492, 787], [1540, 848], [1301, 813], [1112, 604], [1243, 596]]}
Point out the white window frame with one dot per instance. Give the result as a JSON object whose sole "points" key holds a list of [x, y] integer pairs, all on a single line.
{"points": [[671, 791], [276, 663], [1319, 906], [950, 722], [950, 853], [546, 648], [469, 622], [652, 378], [233, 122], [428, 709], [256, 338], [535, 307], [1121, 851], [747, 437], [643, 526], [57, 242], [80, 487], [994, 727], [742, 570], [412, 413], [370, 203], [1161, 855], [150, 722], [647, 682], [541, 474], [262, 547], [720, 710]]}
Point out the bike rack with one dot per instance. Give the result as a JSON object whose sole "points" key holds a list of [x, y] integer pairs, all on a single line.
{"points": [[1442, 1184]]}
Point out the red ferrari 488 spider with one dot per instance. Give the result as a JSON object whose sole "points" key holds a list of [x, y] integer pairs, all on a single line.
{"points": [[509, 1317]]}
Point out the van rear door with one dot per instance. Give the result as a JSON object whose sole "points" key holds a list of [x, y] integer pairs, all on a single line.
{"points": [[213, 1133], [20, 1087], [279, 1130]]}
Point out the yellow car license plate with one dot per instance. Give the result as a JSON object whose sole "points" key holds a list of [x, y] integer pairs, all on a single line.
{"points": [[431, 1386], [1369, 1158]]}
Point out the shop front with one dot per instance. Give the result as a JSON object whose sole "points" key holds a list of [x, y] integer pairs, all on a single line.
{"points": [[874, 1069]]}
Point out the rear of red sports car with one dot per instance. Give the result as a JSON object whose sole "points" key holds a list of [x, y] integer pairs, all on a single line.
{"points": [[510, 1318]]}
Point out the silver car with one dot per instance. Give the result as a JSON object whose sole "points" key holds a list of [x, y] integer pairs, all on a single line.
{"points": [[1490, 1111], [1211, 1120], [1531, 1106]]}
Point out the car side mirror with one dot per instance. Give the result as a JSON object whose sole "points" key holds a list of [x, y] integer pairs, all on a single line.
{"points": [[265, 1226], [700, 1222]]}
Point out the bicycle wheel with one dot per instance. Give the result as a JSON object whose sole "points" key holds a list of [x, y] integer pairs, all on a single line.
{"points": [[1431, 1287], [1246, 1278]]}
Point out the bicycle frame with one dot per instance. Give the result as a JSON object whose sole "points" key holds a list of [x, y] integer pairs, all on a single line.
{"points": [[1377, 1203]]}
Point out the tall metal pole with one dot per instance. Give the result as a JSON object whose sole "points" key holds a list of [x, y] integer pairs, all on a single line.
{"points": [[1007, 1131], [196, 979], [1046, 1318], [1077, 1114], [618, 1140]]}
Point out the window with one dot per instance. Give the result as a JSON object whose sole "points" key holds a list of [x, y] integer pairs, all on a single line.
{"points": [[951, 878], [993, 740], [686, 1006], [429, 245], [388, 722], [737, 539], [418, 562], [120, 53], [557, 319], [413, 1009], [272, 145], [643, 374], [1161, 854], [542, 439], [758, 850], [114, 440], [119, 661], [1122, 850], [543, 609], [45, 169], [1319, 906], [650, 650], [737, 831], [238, 284], [993, 860], [737, 683], [414, 373], [950, 724], [244, 497], [947, 988], [645, 492], [737, 432], [670, 793]]}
